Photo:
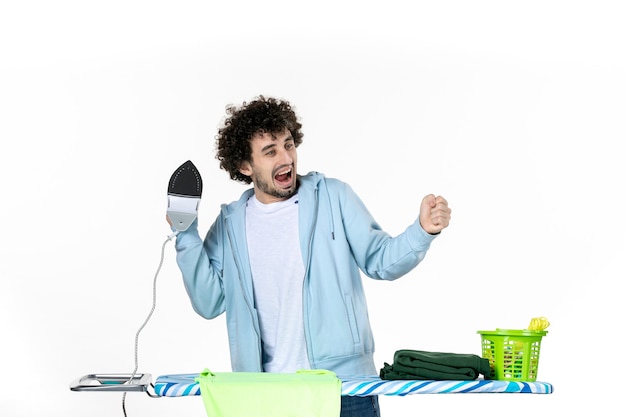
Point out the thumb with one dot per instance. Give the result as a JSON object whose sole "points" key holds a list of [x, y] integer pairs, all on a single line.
{"points": [[429, 202]]}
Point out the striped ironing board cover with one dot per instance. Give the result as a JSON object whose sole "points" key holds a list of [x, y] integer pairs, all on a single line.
{"points": [[182, 385]]}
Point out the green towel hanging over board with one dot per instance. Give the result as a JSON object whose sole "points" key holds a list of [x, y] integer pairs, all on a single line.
{"points": [[305, 393]]}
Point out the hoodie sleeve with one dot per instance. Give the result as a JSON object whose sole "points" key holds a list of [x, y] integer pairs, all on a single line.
{"points": [[201, 269], [378, 254]]}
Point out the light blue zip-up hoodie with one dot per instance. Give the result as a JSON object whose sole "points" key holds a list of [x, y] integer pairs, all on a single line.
{"points": [[339, 239]]}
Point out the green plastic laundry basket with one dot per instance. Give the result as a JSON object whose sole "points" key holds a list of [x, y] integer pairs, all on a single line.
{"points": [[513, 354]]}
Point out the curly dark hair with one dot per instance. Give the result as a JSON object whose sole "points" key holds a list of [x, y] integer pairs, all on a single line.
{"points": [[262, 115]]}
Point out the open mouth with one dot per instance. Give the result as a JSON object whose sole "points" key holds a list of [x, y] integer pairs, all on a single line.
{"points": [[283, 177]]}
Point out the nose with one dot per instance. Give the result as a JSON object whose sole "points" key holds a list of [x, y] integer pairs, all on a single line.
{"points": [[287, 156]]}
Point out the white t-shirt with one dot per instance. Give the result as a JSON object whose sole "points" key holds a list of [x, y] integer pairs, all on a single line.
{"points": [[278, 276]]}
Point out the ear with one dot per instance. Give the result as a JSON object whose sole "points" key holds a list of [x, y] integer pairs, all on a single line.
{"points": [[245, 168]]}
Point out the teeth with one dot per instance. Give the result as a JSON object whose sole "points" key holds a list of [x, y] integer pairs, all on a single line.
{"points": [[284, 172]]}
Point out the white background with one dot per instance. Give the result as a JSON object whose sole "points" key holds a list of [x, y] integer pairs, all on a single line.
{"points": [[514, 111]]}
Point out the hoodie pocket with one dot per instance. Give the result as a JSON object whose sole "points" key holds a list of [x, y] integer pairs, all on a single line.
{"points": [[354, 328]]}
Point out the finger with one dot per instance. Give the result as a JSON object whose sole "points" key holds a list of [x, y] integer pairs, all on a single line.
{"points": [[430, 200], [440, 200], [440, 206], [440, 216], [441, 221]]}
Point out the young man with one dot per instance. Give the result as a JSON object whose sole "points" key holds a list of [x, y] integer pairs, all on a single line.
{"points": [[285, 260]]}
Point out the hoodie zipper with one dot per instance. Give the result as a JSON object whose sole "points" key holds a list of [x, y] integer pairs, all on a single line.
{"points": [[305, 287], [243, 289]]}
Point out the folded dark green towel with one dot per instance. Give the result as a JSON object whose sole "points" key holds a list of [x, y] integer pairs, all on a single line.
{"points": [[417, 364]]}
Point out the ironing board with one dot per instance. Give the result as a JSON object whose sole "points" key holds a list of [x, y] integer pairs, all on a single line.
{"points": [[183, 385]]}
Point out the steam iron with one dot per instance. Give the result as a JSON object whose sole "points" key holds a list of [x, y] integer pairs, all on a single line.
{"points": [[183, 196], [183, 199]]}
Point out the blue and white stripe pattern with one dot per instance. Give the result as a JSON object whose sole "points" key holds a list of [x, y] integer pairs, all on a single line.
{"points": [[375, 386], [178, 385], [182, 385]]}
